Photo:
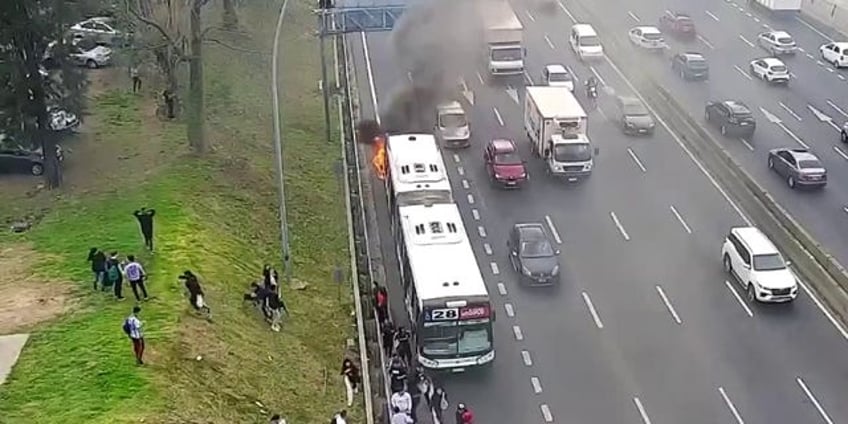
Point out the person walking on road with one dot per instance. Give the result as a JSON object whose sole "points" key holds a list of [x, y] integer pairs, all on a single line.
{"points": [[136, 276], [402, 401], [132, 328], [388, 331], [404, 349], [381, 303], [439, 404], [145, 221]]}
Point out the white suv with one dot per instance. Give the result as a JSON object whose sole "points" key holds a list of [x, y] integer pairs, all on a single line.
{"points": [[749, 255]]}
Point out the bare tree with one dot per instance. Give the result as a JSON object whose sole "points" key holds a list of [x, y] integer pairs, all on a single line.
{"points": [[230, 18]]}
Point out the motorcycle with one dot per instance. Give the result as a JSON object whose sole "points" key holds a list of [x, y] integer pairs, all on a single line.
{"points": [[592, 92]]}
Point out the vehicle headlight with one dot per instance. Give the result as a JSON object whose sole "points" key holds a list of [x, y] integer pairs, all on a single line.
{"points": [[525, 270], [427, 362], [587, 167], [555, 271]]}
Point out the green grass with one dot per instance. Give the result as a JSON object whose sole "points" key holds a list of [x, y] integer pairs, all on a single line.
{"points": [[215, 215]]}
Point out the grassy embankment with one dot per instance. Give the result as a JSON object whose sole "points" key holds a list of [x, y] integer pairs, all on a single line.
{"points": [[215, 215]]}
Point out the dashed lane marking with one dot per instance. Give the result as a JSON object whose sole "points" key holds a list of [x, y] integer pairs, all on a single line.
{"points": [[525, 356], [715, 18], [487, 248], [516, 331], [481, 231], [592, 310], [498, 116], [668, 305], [465, 184], [549, 42], [636, 159], [633, 16], [460, 170], [815, 401], [739, 299], [680, 219], [476, 214], [470, 199], [501, 289], [537, 385], [730, 405], [642, 412], [746, 144], [510, 311], [456, 158], [619, 226], [546, 413], [790, 111], [494, 266], [553, 229]]}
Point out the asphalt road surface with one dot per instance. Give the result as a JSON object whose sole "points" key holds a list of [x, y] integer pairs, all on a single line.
{"points": [[645, 326]]}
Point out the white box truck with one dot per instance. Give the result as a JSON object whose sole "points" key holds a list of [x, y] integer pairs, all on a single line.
{"points": [[779, 6], [504, 38], [556, 126]]}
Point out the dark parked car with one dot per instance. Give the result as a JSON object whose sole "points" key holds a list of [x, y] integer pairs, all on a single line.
{"points": [[678, 24], [732, 117], [633, 116], [20, 160], [503, 164], [691, 66], [800, 167], [532, 254]]}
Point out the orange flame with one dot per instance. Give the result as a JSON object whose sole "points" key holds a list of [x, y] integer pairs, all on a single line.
{"points": [[379, 159]]}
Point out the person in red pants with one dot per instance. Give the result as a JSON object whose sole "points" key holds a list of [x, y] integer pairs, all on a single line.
{"points": [[133, 330]]}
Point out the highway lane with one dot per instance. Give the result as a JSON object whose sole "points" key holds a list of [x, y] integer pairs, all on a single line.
{"points": [[581, 222], [812, 320], [816, 85]]}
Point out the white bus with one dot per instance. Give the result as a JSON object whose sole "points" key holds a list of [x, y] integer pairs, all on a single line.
{"points": [[417, 173], [445, 295]]}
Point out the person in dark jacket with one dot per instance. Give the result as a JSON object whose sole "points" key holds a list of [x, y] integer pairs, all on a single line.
{"points": [[195, 292], [397, 374], [115, 274], [463, 414], [440, 403], [276, 307], [381, 302], [402, 337], [352, 377], [388, 331], [98, 266], [145, 221]]}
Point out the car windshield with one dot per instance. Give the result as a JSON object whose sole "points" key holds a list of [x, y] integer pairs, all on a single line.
{"points": [[778, 69], [452, 120], [510, 54], [577, 152], [536, 249], [635, 109], [590, 41], [809, 163], [452, 338], [510, 158], [652, 36], [697, 64], [772, 262], [559, 77], [785, 40]]}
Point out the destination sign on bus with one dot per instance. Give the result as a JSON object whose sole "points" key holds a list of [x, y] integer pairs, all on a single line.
{"points": [[453, 314]]}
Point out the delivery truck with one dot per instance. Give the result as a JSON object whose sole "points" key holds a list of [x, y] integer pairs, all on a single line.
{"points": [[779, 7], [504, 38], [557, 129]]}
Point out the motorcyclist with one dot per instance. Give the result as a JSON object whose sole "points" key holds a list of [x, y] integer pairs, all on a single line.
{"points": [[463, 414], [592, 87]]}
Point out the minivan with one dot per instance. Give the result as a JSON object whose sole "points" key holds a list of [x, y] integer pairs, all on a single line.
{"points": [[452, 125], [585, 42]]}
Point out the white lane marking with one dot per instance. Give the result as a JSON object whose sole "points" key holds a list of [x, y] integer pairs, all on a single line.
{"points": [[470, 198], [739, 298], [744, 74], [494, 266], [633, 16], [369, 70], [824, 310], [680, 219], [537, 385], [636, 159], [840, 152], [747, 144], [465, 184], [480, 78], [498, 116], [745, 40], [487, 248], [790, 111], [510, 311], [619, 226], [463, 84], [792, 134], [525, 356], [730, 405], [597, 75], [409, 76], [546, 413], [641, 408], [748, 14], [475, 213], [830, 70], [456, 158], [820, 63], [512, 93], [549, 42], [460, 170], [592, 310], [668, 305], [814, 400], [715, 18], [705, 41], [756, 19], [574, 75], [814, 29], [527, 78], [553, 229], [516, 331], [570, 16], [501, 289], [840, 77], [809, 56], [837, 108], [482, 231], [532, 19]]}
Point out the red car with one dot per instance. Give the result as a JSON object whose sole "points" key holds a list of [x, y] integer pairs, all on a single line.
{"points": [[677, 24], [504, 165]]}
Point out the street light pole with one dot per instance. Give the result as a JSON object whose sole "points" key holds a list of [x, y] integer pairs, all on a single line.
{"points": [[278, 147]]}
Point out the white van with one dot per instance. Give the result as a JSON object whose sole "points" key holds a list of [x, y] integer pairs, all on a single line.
{"points": [[585, 42], [452, 125]]}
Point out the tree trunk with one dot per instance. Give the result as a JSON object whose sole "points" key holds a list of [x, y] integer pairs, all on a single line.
{"points": [[230, 18], [196, 112]]}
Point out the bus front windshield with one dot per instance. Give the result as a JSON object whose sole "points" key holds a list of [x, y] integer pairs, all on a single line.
{"points": [[462, 338]]}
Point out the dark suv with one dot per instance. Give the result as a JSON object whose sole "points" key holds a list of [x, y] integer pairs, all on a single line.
{"points": [[732, 117], [691, 66], [532, 254]]}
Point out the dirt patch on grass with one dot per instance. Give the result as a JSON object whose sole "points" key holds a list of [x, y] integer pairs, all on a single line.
{"points": [[25, 299]]}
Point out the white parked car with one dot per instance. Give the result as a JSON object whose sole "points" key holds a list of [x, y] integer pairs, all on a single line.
{"points": [[777, 42], [557, 75], [757, 265], [647, 37], [835, 53], [62, 120], [98, 29], [83, 53], [770, 69]]}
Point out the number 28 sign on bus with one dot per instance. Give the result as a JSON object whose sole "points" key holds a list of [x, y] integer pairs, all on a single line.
{"points": [[454, 314]]}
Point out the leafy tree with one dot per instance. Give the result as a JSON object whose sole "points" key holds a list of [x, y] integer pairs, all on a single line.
{"points": [[27, 90]]}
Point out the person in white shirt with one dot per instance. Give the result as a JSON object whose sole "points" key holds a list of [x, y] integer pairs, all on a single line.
{"points": [[400, 417], [136, 275], [132, 328], [340, 418], [402, 401]]}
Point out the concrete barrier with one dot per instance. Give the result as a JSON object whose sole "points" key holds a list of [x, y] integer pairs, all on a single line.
{"points": [[832, 13]]}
